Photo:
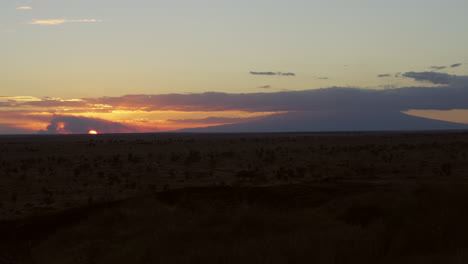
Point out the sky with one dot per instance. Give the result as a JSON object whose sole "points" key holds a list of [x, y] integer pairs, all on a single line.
{"points": [[66, 58]]}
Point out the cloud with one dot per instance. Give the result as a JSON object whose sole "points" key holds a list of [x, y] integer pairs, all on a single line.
{"points": [[265, 87], [327, 99], [55, 22], [47, 103], [9, 129], [432, 77], [322, 78], [384, 75], [25, 116], [219, 107], [48, 22], [19, 98], [456, 65], [52, 104], [273, 73], [451, 95], [263, 73], [438, 67], [6, 104], [81, 125], [215, 120], [24, 7]]}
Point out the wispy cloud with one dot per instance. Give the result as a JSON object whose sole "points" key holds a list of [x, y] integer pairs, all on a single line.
{"points": [[273, 73], [19, 98], [265, 86], [24, 7], [59, 21], [438, 67], [262, 73], [456, 65], [383, 75]]}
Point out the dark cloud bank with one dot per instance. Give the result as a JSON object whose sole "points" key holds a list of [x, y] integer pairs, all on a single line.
{"points": [[451, 96], [330, 109], [6, 129], [345, 109], [432, 77]]}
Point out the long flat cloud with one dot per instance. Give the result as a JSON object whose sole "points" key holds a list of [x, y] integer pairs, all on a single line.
{"points": [[59, 21], [450, 96], [215, 120], [273, 73]]}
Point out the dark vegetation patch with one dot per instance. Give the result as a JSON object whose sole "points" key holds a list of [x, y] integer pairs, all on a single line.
{"points": [[281, 224], [362, 215], [283, 197]]}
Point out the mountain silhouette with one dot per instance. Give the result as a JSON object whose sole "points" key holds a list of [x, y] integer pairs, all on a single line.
{"points": [[315, 122]]}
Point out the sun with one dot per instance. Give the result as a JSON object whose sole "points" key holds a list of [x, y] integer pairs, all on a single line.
{"points": [[92, 132]]}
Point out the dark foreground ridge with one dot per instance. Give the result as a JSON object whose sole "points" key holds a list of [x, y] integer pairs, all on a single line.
{"points": [[320, 223]]}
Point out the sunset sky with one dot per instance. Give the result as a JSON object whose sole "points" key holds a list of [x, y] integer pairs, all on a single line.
{"points": [[143, 66]]}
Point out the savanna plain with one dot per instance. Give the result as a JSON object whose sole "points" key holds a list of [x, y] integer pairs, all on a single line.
{"points": [[235, 198]]}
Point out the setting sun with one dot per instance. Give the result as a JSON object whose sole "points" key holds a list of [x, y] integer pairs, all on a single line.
{"points": [[92, 132]]}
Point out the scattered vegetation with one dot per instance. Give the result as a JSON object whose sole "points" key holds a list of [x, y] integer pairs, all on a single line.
{"points": [[249, 198]]}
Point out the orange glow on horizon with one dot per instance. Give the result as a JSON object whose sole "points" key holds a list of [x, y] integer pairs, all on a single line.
{"points": [[38, 120]]}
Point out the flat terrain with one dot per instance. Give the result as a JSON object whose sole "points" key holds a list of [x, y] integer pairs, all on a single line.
{"points": [[235, 198]]}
